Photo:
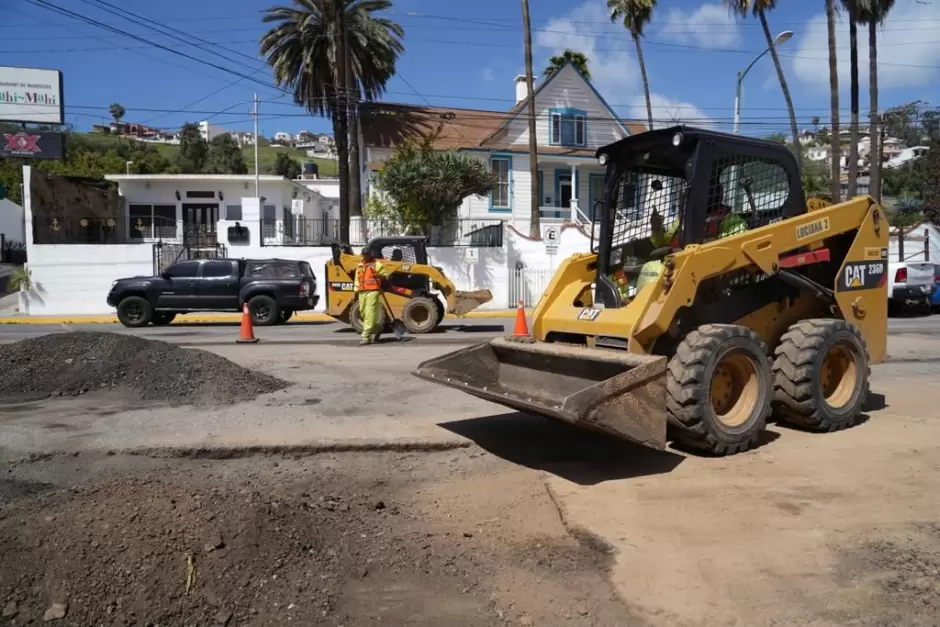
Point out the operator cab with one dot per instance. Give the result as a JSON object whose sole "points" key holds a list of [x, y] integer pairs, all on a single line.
{"points": [[668, 188]]}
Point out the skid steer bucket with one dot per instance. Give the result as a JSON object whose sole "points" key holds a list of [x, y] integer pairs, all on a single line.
{"points": [[465, 302], [616, 392]]}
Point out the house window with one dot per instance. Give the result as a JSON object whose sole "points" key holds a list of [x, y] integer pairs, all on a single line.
{"points": [[151, 221], [200, 194], [233, 212], [568, 127], [500, 196]]}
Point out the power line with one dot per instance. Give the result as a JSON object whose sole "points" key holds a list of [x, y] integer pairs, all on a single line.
{"points": [[81, 18]]}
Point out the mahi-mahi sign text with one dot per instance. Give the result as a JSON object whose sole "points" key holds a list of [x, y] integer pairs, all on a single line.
{"points": [[812, 228]]}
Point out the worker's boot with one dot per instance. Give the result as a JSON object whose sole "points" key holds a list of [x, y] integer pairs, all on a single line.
{"points": [[365, 342]]}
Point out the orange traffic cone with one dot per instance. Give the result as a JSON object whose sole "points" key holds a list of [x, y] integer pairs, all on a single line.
{"points": [[522, 327], [247, 332]]}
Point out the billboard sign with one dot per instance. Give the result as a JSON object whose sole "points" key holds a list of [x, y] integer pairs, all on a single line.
{"points": [[32, 145], [31, 95]]}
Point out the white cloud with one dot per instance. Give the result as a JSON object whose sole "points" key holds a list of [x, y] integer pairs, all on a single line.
{"points": [[710, 26], [907, 47], [487, 74], [667, 111], [611, 60]]}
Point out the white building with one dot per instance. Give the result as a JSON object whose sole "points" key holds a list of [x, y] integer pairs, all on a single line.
{"points": [[573, 120], [210, 131], [244, 138], [907, 155], [12, 222], [283, 138]]}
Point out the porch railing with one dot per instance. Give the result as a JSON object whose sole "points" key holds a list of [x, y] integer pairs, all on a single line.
{"points": [[106, 230]]}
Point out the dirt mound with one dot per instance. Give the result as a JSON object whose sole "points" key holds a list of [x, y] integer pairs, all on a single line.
{"points": [[339, 540], [70, 364]]}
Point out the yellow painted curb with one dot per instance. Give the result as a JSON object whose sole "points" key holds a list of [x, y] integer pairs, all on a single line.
{"points": [[212, 318]]}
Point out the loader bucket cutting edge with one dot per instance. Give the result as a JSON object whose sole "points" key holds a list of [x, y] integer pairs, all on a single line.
{"points": [[465, 302], [615, 392]]}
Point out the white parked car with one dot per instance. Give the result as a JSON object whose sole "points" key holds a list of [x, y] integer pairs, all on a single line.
{"points": [[910, 285]]}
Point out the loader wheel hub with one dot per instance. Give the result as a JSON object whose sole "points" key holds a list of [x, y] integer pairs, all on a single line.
{"points": [[420, 315], [838, 376], [735, 390]]}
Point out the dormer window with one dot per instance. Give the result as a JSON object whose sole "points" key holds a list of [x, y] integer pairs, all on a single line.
{"points": [[567, 127]]}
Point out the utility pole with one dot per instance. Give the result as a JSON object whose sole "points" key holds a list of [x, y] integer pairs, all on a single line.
{"points": [[254, 114], [352, 106], [535, 224]]}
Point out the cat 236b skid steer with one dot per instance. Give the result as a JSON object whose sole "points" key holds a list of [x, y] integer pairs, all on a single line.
{"points": [[712, 297]]}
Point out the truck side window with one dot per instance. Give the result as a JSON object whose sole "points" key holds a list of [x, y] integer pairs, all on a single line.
{"points": [[216, 269], [185, 270]]}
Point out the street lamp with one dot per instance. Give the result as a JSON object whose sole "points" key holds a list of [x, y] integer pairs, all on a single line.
{"points": [[779, 39]]}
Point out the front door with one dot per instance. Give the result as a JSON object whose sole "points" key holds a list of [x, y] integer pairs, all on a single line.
{"points": [[182, 291], [564, 192], [200, 222]]}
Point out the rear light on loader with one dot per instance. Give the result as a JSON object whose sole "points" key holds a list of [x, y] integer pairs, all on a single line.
{"points": [[901, 275]]}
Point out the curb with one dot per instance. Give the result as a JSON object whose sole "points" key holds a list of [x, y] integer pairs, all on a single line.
{"points": [[216, 318]]}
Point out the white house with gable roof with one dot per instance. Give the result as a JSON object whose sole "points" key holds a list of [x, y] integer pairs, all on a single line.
{"points": [[572, 121]]}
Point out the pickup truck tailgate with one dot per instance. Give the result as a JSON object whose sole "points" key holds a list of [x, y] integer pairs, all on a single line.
{"points": [[919, 273]]}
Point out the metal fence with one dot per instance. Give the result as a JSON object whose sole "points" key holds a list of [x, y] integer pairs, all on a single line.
{"points": [[121, 230], [527, 284], [301, 231]]}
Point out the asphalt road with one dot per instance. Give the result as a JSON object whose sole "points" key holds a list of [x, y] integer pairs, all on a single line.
{"points": [[217, 334], [332, 333]]}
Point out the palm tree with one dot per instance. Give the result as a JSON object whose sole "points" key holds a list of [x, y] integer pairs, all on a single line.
{"points": [[577, 59], [835, 147], [635, 15], [306, 50], [873, 13], [851, 6], [760, 9]]}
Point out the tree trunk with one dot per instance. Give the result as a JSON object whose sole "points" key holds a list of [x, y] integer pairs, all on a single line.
{"points": [[646, 83], [835, 149], [874, 179], [355, 164], [535, 222], [340, 122], [853, 121], [797, 147]]}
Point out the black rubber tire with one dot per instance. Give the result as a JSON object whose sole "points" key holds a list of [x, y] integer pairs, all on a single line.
{"points": [[134, 312], [264, 311], [799, 397], [420, 315], [356, 322], [162, 318], [692, 418], [441, 312]]}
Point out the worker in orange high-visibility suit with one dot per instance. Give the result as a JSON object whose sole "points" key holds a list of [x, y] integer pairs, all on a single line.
{"points": [[368, 287]]}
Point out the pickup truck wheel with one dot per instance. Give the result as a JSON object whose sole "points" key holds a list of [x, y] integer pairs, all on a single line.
{"points": [[264, 311], [134, 312], [162, 318]]}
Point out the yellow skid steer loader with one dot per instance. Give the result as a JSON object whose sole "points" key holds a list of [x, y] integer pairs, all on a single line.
{"points": [[417, 293], [711, 298]]}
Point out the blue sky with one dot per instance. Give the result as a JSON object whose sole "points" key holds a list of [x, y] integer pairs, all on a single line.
{"points": [[465, 54]]}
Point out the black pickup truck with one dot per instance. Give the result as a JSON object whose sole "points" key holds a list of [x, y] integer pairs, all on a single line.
{"points": [[273, 289]]}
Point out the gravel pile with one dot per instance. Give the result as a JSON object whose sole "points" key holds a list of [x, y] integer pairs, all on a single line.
{"points": [[71, 364]]}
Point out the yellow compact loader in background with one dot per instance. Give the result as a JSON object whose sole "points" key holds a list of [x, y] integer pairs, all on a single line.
{"points": [[711, 298], [418, 294]]}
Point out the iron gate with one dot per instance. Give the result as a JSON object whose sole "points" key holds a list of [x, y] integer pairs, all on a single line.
{"points": [[165, 255]]}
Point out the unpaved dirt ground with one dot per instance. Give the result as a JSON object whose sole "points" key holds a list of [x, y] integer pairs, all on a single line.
{"points": [[456, 538]]}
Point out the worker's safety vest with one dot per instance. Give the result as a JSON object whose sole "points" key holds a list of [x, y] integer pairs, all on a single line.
{"points": [[368, 278]]}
